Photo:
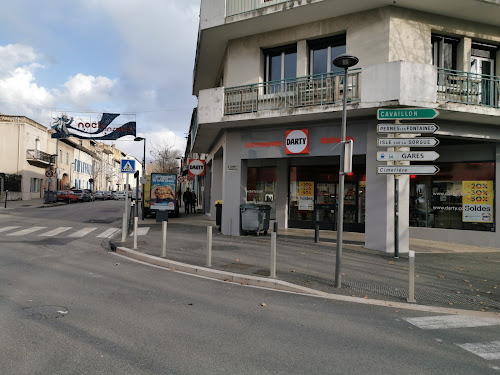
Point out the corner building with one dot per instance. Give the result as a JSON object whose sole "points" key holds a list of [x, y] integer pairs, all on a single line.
{"points": [[265, 81]]}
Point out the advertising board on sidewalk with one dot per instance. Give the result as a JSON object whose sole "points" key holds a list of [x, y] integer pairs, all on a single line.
{"points": [[163, 191]]}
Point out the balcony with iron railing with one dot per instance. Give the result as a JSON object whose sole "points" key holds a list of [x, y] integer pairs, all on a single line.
{"points": [[40, 159], [314, 90], [235, 7], [468, 88]]}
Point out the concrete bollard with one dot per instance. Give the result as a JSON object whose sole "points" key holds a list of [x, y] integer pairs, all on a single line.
{"points": [[164, 239], [135, 232], [272, 271], [411, 277], [209, 246]]}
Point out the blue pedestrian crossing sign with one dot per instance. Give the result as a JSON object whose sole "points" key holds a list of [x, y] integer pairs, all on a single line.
{"points": [[128, 166]]}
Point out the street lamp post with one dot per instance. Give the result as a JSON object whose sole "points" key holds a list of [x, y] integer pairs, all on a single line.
{"points": [[344, 61], [138, 139]]}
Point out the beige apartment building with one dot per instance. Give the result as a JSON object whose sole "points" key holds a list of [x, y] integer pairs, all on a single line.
{"points": [[27, 152], [264, 70]]}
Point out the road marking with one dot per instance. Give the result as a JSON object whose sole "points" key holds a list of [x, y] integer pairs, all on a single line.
{"points": [[486, 350], [109, 232], [452, 321], [55, 232], [141, 231], [82, 232], [5, 229], [26, 231]]}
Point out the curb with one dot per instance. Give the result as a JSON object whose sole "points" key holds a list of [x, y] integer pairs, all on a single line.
{"points": [[283, 285]]}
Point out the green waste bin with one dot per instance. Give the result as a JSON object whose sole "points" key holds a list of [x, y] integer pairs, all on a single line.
{"points": [[255, 218]]}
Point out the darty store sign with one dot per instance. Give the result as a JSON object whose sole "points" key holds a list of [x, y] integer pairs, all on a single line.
{"points": [[315, 141]]}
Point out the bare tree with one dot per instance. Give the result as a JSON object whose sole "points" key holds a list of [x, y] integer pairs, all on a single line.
{"points": [[165, 158]]}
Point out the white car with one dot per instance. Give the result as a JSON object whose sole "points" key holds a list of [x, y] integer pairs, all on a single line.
{"points": [[119, 195]]}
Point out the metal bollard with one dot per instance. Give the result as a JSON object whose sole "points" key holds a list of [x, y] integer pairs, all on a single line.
{"points": [[135, 232], [209, 246], [272, 271], [6, 193], [275, 227], [411, 277], [164, 241], [124, 227]]}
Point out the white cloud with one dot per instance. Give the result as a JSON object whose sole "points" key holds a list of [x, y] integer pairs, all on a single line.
{"points": [[15, 55], [84, 90]]}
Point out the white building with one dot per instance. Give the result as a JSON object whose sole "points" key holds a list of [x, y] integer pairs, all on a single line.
{"points": [[264, 69]]}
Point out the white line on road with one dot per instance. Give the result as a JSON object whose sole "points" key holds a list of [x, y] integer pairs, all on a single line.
{"points": [[5, 229], [26, 231], [82, 232], [486, 350], [109, 232], [55, 232], [452, 321], [141, 231]]}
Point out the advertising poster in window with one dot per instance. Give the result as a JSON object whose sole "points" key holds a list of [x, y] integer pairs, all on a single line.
{"points": [[163, 191], [477, 201], [306, 195]]}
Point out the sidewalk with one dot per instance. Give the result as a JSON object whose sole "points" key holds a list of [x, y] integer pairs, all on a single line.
{"points": [[32, 203], [447, 275]]}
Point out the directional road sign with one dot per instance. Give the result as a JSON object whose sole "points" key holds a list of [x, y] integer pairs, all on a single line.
{"points": [[128, 166], [406, 113], [407, 128], [407, 155], [407, 169], [407, 142]]}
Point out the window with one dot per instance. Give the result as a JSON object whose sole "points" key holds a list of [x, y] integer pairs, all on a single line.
{"points": [[35, 185], [281, 63], [444, 51], [460, 196], [261, 187], [67, 158], [323, 51]]}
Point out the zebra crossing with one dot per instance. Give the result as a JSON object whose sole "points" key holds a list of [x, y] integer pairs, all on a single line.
{"points": [[65, 232], [489, 350]]}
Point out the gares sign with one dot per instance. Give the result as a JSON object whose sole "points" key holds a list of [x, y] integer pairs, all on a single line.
{"points": [[297, 141], [196, 167]]}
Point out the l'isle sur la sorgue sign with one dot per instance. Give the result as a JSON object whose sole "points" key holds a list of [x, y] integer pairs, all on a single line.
{"points": [[105, 126]]}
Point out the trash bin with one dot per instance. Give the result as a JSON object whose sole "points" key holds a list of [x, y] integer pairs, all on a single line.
{"points": [[161, 215], [218, 214], [255, 218], [49, 196]]}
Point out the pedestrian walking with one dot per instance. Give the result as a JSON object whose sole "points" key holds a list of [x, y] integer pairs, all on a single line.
{"points": [[193, 202], [187, 197]]}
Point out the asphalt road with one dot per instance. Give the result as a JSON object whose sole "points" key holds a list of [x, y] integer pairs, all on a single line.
{"points": [[69, 306]]}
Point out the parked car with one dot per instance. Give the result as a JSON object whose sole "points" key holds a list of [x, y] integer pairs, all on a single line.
{"points": [[108, 194], [82, 195], [90, 194], [113, 192], [66, 196], [119, 195], [101, 195]]}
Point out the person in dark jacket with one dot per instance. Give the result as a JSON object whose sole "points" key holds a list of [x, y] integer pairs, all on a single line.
{"points": [[187, 198], [193, 203]]}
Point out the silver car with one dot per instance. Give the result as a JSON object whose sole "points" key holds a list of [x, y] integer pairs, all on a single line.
{"points": [[100, 195]]}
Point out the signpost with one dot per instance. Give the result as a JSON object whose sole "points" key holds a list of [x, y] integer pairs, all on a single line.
{"points": [[407, 128], [407, 155], [396, 155], [407, 114], [407, 142], [408, 169], [127, 167]]}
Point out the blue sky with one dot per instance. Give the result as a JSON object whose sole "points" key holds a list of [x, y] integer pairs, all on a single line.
{"points": [[122, 56]]}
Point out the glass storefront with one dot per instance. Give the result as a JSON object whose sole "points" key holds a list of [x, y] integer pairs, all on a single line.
{"points": [[313, 198], [261, 187], [460, 196]]}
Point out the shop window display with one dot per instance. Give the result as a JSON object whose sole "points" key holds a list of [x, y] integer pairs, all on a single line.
{"points": [[460, 196]]}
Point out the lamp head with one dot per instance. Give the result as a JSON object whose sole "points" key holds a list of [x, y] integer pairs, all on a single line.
{"points": [[137, 139], [345, 61]]}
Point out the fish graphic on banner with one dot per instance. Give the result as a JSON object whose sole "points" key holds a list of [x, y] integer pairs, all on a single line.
{"points": [[105, 126]]}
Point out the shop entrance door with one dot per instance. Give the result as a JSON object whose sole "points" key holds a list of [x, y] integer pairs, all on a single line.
{"points": [[326, 201]]}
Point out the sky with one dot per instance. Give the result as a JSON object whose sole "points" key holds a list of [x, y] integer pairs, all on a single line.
{"points": [[116, 56]]}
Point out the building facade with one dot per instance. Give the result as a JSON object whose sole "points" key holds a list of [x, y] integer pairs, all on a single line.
{"points": [[264, 76], [27, 152]]}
